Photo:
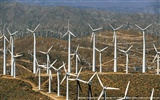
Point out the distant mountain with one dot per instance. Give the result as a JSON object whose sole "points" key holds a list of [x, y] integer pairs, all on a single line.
{"points": [[123, 6], [53, 19]]}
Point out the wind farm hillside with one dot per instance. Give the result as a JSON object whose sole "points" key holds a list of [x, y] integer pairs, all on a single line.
{"points": [[141, 84]]}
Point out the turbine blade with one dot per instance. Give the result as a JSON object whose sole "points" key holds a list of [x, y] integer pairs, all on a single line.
{"points": [[1, 37], [63, 79], [61, 66], [139, 27], [9, 51], [112, 88], [79, 72], [126, 90], [129, 48], [36, 27], [16, 56], [50, 49], [79, 85], [122, 50], [155, 58], [65, 34], [14, 33], [30, 30], [155, 48], [82, 81], [90, 26], [118, 27], [8, 31], [97, 49], [70, 74], [6, 39], [77, 48], [65, 69], [42, 52], [72, 33], [111, 26], [151, 98], [78, 58], [99, 80], [104, 49], [53, 62], [37, 71], [99, 98], [148, 26], [54, 68], [92, 76], [91, 37], [98, 29]]}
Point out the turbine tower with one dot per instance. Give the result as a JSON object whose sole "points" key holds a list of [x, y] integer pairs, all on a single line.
{"points": [[156, 56], [115, 45], [94, 44], [151, 98], [12, 49], [77, 58], [34, 49], [127, 58], [39, 75], [144, 47], [47, 53], [4, 53], [67, 74], [14, 63], [100, 58], [69, 46], [58, 77]]}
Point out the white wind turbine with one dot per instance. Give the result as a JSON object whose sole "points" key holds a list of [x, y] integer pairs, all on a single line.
{"points": [[127, 57], [156, 56], [104, 89], [94, 44], [47, 53], [58, 77], [4, 53], [34, 49], [14, 63], [125, 95], [12, 49], [89, 83], [39, 73], [67, 74], [77, 58], [115, 45], [50, 75], [100, 57], [69, 46], [78, 83], [151, 98], [144, 47]]}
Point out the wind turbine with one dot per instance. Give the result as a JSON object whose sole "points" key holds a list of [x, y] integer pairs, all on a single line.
{"points": [[69, 46], [127, 57], [58, 77], [4, 53], [12, 49], [151, 98], [124, 98], [67, 74], [156, 56], [34, 49], [115, 45], [39, 75], [100, 57], [89, 83], [77, 58], [47, 53], [94, 44], [50, 75], [144, 47], [78, 83], [104, 89], [14, 63]]}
